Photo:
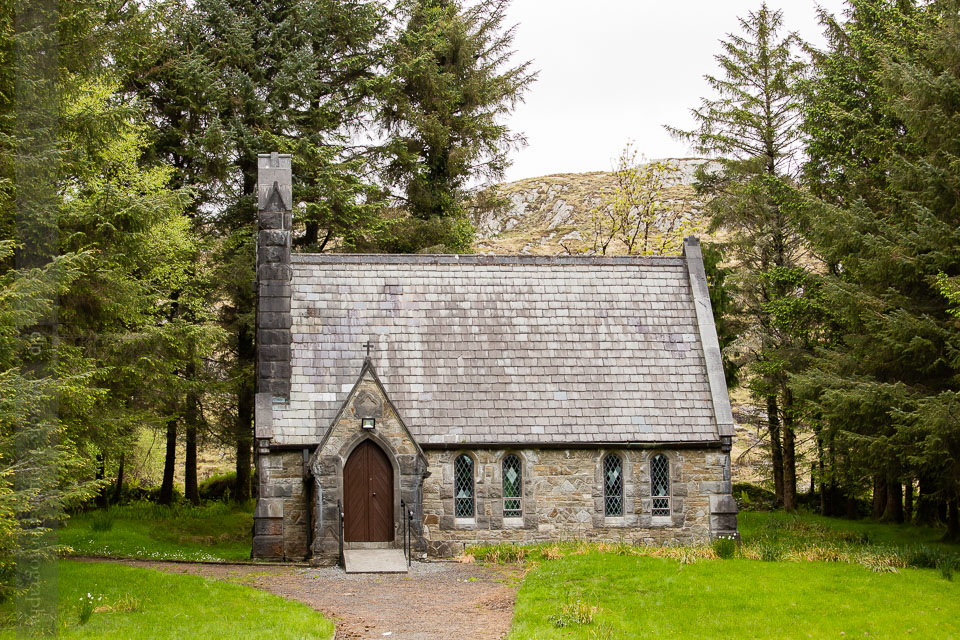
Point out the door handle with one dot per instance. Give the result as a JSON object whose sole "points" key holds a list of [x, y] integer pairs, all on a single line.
{"points": [[374, 493]]}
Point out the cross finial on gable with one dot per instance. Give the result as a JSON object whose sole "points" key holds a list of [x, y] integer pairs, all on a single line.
{"points": [[368, 345]]}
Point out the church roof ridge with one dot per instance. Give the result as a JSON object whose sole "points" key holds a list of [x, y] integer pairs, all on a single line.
{"points": [[483, 259]]}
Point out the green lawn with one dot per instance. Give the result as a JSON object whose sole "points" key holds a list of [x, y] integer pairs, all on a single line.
{"points": [[214, 531], [141, 603], [660, 597], [753, 524]]}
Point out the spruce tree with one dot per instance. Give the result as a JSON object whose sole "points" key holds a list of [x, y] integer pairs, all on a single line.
{"points": [[892, 383], [235, 78], [450, 83], [855, 139], [750, 127]]}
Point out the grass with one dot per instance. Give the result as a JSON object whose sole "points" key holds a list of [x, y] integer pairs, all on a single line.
{"points": [[753, 524], [210, 532], [603, 595], [131, 603], [793, 576]]}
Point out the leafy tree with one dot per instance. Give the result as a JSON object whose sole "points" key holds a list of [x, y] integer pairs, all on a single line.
{"points": [[751, 128], [448, 86], [84, 357], [636, 218]]}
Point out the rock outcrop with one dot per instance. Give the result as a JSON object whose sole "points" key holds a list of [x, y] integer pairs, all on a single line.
{"points": [[551, 215]]}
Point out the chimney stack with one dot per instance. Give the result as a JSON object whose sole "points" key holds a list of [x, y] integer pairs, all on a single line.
{"points": [[274, 275]]}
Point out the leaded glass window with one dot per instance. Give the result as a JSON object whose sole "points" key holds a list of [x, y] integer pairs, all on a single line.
{"points": [[512, 487], [660, 484], [463, 502], [612, 485]]}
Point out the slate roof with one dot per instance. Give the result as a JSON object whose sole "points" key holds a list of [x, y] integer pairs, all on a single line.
{"points": [[511, 350]]}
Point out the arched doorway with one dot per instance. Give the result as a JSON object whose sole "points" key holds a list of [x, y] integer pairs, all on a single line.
{"points": [[368, 495]]}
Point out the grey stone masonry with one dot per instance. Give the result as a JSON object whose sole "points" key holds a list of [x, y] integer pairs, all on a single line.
{"points": [[274, 274], [279, 520], [719, 396]]}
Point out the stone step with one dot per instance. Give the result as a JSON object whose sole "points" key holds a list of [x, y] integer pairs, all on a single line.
{"points": [[374, 561]]}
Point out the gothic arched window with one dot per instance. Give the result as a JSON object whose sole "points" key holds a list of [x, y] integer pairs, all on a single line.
{"points": [[660, 484], [512, 487], [463, 487], [612, 485]]}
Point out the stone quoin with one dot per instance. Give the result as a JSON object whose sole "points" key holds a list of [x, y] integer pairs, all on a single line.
{"points": [[494, 398]]}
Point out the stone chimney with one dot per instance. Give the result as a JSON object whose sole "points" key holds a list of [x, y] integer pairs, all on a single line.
{"points": [[275, 217], [274, 276]]}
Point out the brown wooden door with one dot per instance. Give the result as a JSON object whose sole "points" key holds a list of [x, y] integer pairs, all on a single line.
{"points": [[368, 495]]}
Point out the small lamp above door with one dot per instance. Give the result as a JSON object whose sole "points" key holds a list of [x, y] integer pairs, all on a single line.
{"points": [[368, 423]]}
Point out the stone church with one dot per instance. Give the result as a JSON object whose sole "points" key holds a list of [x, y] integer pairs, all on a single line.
{"points": [[462, 399]]}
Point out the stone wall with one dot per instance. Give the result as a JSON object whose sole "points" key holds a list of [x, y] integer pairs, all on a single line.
{"points": [[281, 521], [366, 400], [563, 498]]}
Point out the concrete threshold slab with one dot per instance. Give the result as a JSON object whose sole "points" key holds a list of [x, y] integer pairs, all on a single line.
{"points": [[374, 561]]}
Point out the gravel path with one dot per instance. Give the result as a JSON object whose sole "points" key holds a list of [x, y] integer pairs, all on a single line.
{"points": [[435, 601]]}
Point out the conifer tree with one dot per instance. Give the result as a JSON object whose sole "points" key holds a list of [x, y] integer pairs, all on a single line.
{"points": [[750, 127], [450, 84], [892, 382], [854, 139], [235, 78]]}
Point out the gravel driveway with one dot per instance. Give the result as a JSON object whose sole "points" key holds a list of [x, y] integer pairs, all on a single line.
{"points": [[435, 601]]}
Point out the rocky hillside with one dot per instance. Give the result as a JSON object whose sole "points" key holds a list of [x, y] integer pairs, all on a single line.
{"points": [[551, 215]]}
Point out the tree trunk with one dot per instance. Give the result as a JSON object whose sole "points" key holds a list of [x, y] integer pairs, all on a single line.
{"points": [[953, 522], [243, 469], [852, 512], [245, 297], [776, 452], [828, 490], [789, 454], [879, 496], [908, 501], [169, 462], [190, 489], [102, 500], [192, 419], [118, 488], [245, 404], [926, 507], [893, 511]]}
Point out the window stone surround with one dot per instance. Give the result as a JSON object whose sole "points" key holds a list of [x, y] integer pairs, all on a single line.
{"points": [[563, 498]]}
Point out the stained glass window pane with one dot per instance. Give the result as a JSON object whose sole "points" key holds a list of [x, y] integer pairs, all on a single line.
{"points": [[612, 485], [463, 486], [660, 484], [512, 487]]}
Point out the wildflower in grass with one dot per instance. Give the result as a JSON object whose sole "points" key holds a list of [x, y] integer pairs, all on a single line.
{"points": [[87, 605]]}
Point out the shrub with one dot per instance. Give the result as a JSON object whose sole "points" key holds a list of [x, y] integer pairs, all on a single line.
{"points": [[219, 487], [725, 547], [753, 497], [153, 495], [102, 520]]}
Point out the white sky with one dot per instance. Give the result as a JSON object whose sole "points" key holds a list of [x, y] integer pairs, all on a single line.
{"points": [[613, 70]]}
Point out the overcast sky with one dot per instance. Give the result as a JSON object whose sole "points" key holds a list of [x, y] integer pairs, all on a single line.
{"points": [[613, 70]]}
